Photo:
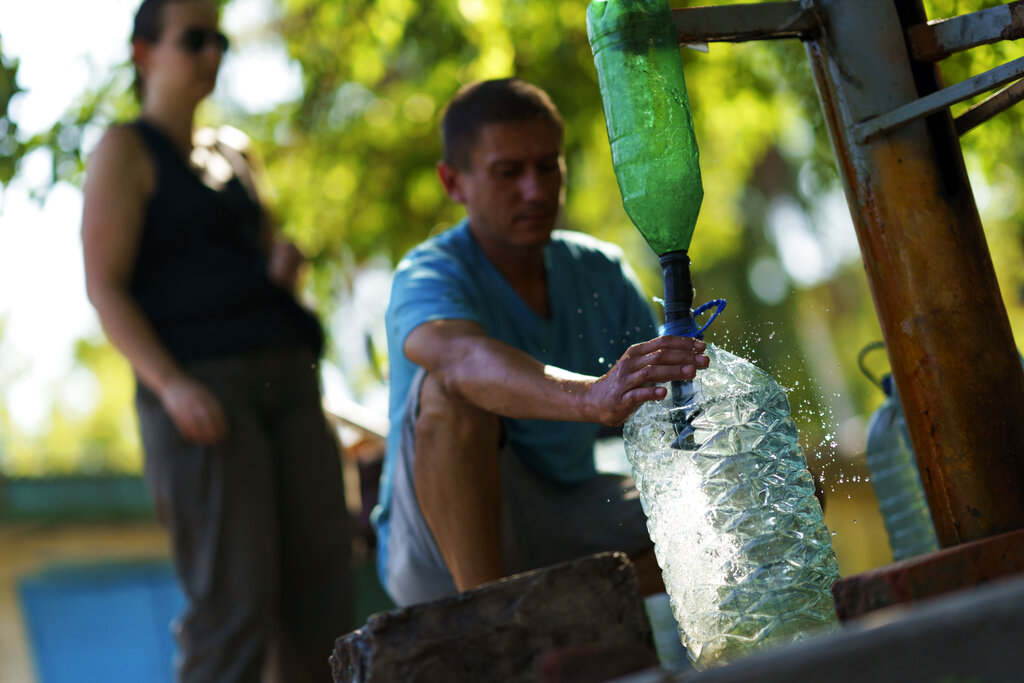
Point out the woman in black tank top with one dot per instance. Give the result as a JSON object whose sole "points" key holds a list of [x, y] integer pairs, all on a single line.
{"points": [[194, 290]]}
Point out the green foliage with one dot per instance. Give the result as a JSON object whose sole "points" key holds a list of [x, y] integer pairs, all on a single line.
{"points": [[377, 75], [352, 166], [102, 441], [993, 163], [10, 148]]}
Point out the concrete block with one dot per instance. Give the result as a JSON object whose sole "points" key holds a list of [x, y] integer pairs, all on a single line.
{"points": [[593, 663], [496, 632]]}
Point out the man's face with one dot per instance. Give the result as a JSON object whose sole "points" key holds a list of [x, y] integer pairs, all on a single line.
{"points": [[512, 189]]}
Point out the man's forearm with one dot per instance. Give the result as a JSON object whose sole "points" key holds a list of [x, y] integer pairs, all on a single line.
{"points": [[504, 380]]}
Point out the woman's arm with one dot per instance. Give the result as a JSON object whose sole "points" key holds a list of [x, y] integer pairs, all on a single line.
{"points": [[119, 181]]}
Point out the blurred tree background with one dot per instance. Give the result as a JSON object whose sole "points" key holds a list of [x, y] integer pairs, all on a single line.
{"points": [[351, 163]]}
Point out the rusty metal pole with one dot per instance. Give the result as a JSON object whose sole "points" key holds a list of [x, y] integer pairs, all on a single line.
{"points": [[931, 276]]}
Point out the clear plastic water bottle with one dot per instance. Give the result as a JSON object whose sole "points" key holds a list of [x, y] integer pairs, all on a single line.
{"points": [[894, 473], [897, 481], [746, 558]]}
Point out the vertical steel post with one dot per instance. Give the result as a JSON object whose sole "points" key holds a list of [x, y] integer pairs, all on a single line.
{"points": [[929, 269]]}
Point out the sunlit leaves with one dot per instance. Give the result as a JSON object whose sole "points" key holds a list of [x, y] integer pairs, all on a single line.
{"points": [[352, 161], [102, 441], [10, 147]]}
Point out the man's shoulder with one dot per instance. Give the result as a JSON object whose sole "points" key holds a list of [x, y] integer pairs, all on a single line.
{"points": [[445, 251], [448, 244], [581, 246]]}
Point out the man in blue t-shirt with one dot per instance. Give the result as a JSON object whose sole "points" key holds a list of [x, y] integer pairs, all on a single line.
{"points": [[511, 343]]}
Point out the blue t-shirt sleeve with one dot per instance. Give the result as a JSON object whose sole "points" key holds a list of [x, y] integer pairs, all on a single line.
{"points": [[615, 282], [429, 285], [637, 314]]}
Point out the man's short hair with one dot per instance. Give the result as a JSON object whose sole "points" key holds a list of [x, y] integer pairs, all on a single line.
{"points": [[485, 102]]}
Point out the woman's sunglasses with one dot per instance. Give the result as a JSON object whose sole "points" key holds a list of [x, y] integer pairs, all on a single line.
{"points": [[195, 39]]}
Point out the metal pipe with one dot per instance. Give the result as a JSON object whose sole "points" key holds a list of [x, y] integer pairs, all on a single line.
{"points": [[933, 102], [739, 23], [940, 38], [930, 273], [983, 111]]}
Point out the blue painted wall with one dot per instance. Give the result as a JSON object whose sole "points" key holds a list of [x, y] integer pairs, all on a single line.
{"points": [[107, 623]]}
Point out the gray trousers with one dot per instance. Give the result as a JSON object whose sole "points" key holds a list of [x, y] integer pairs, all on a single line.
{"points": [[258, 524]]}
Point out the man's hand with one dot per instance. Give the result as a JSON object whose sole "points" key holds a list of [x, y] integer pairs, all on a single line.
{"points": [[614, 396], [196, 412]]}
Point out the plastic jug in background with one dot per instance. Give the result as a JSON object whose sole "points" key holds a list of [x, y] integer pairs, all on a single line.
{"points": [[894, 473]]}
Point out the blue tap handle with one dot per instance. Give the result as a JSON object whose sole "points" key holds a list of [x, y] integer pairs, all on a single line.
{"points": [[687, 326]]}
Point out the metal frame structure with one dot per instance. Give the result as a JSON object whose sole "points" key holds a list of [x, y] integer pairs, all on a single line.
{"points": [[927, 263]]}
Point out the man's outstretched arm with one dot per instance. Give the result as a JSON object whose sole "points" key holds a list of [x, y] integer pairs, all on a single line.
{"points": [[506, 381]]}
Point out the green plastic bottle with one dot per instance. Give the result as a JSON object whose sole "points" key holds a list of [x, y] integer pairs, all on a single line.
{"points": [[647, 111]]}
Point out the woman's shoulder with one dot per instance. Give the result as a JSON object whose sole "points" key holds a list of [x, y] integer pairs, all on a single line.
{"points": [[578, 246], [224, 138], [233, 138], [122, 152], [238, 150], [121, 139]]}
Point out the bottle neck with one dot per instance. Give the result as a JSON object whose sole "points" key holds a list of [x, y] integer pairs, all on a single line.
{"points": [[675, 270]]}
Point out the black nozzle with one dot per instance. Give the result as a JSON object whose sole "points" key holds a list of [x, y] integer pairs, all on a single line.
{"points": [[675, 269]]}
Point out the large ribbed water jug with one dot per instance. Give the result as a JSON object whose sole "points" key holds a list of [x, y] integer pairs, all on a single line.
{"points": [[738, 532]]}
